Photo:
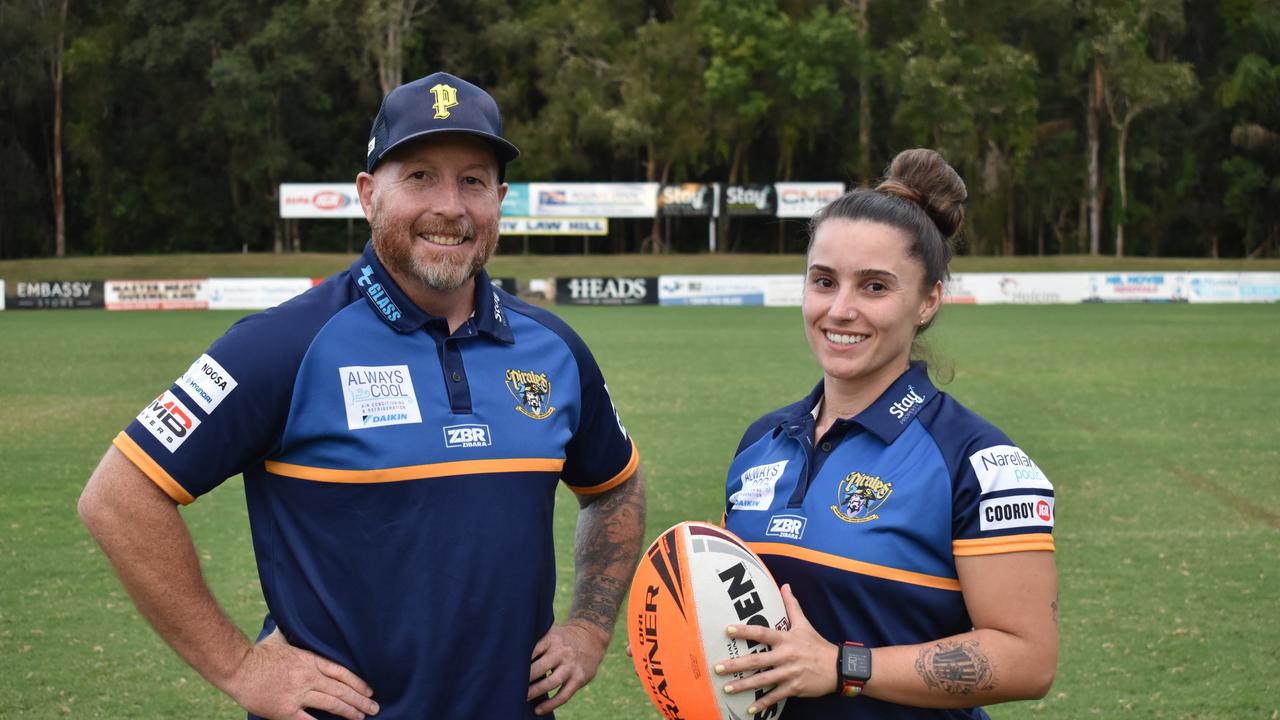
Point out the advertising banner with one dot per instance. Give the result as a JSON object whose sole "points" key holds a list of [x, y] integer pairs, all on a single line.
{"points": [[553, 226], [1, 293], [802, 200], [320, 200], [784, 290], [607, 291], [1137, 287], [1213, 287], [688, 199], [190, 294], [517, 200], [745, 200], [506, 283], [613, 200], [773, 290], [253, 293], [1260, 287], [1018, 288], [56, 294]]}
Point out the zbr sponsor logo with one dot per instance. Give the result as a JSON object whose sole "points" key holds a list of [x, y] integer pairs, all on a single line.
{"points": [[787, 526], [1005, 467], [757, 486], [206, 383], [1016, 511], [471, 435], [169, 420], [378, 396]]}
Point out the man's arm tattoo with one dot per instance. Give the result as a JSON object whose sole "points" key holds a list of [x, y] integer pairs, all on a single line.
{"points": [[606, 549], [958, 668]]}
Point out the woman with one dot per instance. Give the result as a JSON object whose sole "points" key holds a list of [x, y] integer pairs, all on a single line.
{"points": [[914, 534]]}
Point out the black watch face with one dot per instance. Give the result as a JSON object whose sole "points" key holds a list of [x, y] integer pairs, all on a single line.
{"points": [[855, 663]]}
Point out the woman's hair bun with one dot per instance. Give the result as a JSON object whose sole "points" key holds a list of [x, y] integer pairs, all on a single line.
{"points": [[924, 177]]}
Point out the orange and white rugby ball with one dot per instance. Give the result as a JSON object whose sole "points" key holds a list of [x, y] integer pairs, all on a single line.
{"points": [[695, 580]]}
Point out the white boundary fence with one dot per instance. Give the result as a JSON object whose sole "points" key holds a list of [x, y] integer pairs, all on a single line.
{"points": [[747, 290]]}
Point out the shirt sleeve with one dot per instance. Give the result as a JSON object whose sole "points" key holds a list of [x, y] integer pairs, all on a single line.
{"points": [[601, 454], [1002, 500], [225, 413]]}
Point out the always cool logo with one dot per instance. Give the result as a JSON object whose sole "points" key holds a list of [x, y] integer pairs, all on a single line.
{"points": [[377, 396]]}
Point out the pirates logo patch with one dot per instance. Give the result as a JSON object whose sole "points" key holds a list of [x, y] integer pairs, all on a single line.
{"points": [[860, 496], [532, 391]]}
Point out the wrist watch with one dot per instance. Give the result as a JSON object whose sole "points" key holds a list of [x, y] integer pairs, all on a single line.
{"points": [[853, 668]]}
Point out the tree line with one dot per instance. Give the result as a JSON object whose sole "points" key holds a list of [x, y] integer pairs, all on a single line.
{"points": [[1138, 127]]}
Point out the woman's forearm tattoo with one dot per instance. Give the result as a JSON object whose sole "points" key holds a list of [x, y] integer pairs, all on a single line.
{"points": [[957, 667]]}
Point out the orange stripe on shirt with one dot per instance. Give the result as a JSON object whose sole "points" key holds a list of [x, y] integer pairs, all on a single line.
{"points": [[862, 568], [1003, 544], [416, 472], [152, 469], [624, 475]]}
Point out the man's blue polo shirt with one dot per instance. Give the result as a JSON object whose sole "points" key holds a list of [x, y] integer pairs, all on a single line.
{"points": [[866, 526], [400, 479]]}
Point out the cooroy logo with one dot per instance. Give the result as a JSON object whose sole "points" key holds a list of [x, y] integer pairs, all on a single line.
{"points": [[1015, 511]]}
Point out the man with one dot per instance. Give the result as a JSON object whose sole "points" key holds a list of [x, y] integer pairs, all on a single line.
{"points": [[399, 482]]}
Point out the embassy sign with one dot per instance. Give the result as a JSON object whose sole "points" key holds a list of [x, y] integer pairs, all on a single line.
{"points": [[607, 291], [59, 294]]}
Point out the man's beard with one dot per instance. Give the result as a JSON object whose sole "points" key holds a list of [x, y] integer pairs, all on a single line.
{"points": [[394, 246]]}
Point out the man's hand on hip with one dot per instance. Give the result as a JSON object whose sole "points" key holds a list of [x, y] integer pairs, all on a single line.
{"points": [[278, 681], [566, 658]]}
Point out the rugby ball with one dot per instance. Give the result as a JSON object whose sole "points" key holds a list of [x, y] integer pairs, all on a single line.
{"points": [[694, 581]]}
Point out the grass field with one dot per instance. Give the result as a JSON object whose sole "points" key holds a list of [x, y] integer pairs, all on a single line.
{"points": [[1157, 423]]}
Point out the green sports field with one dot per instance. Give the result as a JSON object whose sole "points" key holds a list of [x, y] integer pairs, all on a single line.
{"points": [[1157, 423]]}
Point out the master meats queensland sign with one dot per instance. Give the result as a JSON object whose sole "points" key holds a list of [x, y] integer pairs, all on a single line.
{"points": [[189, 294], [320, 200]]}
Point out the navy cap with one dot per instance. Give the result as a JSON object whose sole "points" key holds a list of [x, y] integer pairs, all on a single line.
{"points": [[438, 103]]}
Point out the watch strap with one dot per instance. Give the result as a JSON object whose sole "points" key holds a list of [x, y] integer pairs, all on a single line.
{"points": [[853, 668]]}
